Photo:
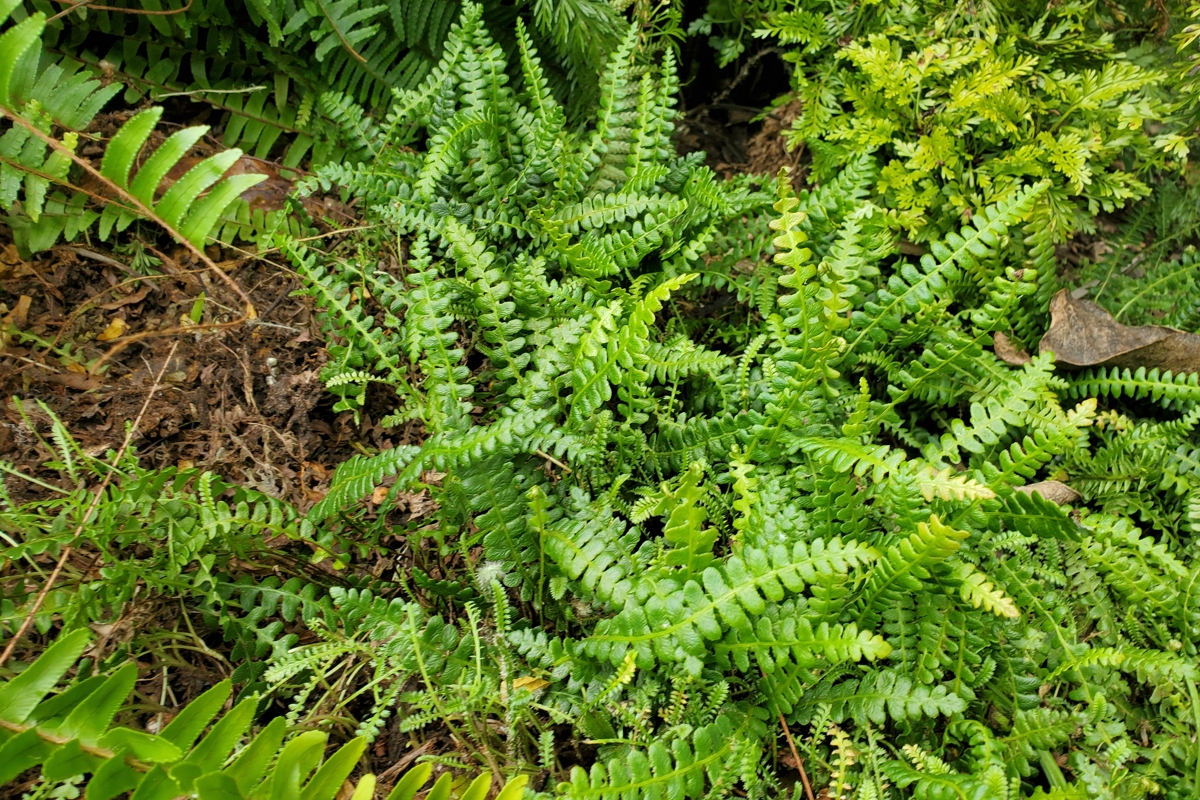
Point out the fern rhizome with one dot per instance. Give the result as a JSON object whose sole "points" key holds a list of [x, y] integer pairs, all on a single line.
{"points": [[730, 496]]}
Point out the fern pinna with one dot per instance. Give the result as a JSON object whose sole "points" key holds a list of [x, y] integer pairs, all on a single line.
{"points": [[684, 449], [41, 205], [203, 752], [290, 79]]}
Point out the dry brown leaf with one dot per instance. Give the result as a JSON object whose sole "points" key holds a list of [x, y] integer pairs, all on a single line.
{"points": [[346, 791], [19, 315], [115, 329], [380, 494], [11, 265], [1054, 491], [421, 504], [1008, 352], [1082, 334], [136, 297]]}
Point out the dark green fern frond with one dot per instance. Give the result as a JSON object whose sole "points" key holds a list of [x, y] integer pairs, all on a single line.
{"points": [[1177, 392]]}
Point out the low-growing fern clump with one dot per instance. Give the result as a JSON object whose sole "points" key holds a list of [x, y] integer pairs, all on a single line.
{"points": [[963, 104], [725, 494]]}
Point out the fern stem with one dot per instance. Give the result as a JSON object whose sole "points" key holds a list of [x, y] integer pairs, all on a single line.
{"points": [[142, 208], [92, 750], [85, 4]]}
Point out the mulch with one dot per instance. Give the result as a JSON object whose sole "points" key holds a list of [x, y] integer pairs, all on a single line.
{"points": [[245, 402]]}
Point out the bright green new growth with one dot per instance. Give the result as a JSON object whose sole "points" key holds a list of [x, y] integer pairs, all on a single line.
{"points": [[962, 107]]}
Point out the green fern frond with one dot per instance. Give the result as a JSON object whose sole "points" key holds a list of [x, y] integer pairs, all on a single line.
{"points": [[904, 565], [910, 286], [73, 733], [679, 769], [675, 627], [1175, 391]]}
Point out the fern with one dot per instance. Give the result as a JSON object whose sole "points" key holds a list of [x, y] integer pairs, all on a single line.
{"points": [[685, 476], [49, 97], [680, 769], [959, 111], [72, 733], [203, 751]]}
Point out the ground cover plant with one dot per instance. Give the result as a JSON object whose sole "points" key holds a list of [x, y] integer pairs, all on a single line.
{"points": [[696, 487], [962, 104]]}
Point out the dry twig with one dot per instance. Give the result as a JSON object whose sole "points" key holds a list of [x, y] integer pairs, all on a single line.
{"points": [[87, 516]]}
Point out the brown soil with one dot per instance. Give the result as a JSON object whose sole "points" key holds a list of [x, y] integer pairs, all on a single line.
{"points": [[245, 402]]}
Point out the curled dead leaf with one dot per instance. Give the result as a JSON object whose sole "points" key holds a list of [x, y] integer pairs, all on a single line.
{"points": [[11, 265], [17, 318], [1008, 352], [1054, 491], [1082, 334]]}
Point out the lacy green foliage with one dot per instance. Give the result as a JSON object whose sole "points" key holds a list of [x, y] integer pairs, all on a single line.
{"points": [[156, 538], [35, 179], [688, 458], [697, 466], [70, 738], [961, 107], [289, 78]]}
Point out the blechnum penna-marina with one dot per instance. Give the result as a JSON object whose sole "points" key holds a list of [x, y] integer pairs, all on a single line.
{"points": [[714, 457], [804, 504]]}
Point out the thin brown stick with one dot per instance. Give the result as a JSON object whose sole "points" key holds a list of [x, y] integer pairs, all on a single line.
{"points": [[131, 11], [349, 48], [62, 182], [122, 343], [92, 750], [808, 792], [787, 733], [143, 209], [553, 460], [87, 515]]}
